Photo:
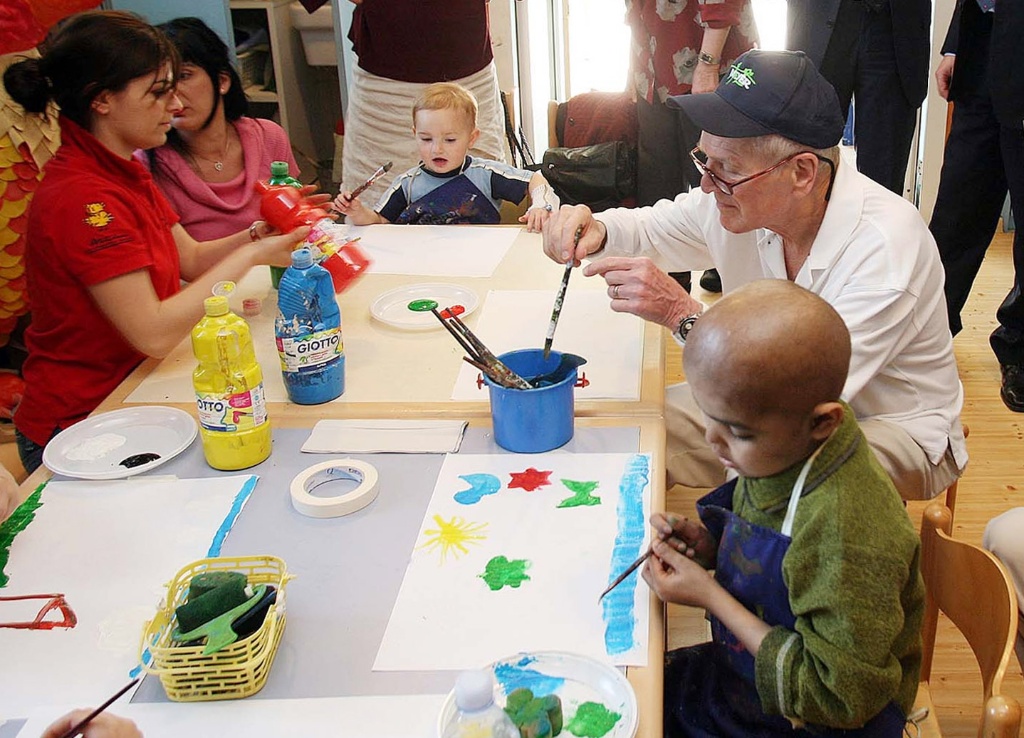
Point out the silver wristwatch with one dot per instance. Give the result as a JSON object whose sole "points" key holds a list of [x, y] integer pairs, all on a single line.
{"points": [[685, 326]]}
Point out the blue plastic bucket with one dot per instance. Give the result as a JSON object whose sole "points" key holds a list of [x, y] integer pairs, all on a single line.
{"points": [[534, 420]]}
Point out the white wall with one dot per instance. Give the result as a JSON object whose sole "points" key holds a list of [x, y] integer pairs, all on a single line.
{"points": [[933, 124]]}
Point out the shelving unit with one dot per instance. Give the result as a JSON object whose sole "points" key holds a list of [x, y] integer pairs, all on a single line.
{"points": [[291, 74]]}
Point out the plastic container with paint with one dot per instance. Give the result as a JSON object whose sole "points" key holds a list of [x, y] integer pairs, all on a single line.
{"points": [[308, 333], [228, 382], [285, 208], [533, 420], [478, 715], [280, 176]]}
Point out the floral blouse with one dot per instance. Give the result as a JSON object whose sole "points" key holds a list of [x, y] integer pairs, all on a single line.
{"points": [[667, 36]]}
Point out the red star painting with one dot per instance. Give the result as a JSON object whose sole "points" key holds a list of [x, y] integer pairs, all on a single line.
{"points": [[530, 480]]}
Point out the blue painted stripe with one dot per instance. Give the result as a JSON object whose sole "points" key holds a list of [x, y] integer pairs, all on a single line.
{"points": [[619, 617], [229, 520], [514, 676]]}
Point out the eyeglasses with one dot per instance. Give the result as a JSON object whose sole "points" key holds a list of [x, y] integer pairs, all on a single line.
{"points": [[700, 160]]}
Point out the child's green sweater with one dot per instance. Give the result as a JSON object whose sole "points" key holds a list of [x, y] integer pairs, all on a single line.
{"points": [[855, 588]]}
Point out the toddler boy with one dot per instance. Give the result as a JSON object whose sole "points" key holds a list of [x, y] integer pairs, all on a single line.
{"points": [[449, 186]]}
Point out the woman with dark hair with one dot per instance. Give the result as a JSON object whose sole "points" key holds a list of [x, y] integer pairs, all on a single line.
{"points": [[214, 153], [106, 253]]}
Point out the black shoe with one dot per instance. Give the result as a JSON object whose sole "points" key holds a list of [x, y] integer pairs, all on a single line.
{"points": [[1012, 390], [683, 278], [710, 280]]}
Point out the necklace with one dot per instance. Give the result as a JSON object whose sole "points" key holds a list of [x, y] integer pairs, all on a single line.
{"points": [[218, 164]]}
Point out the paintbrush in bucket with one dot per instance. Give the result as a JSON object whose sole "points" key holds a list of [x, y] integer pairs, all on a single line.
{"points": [[556, 310]]}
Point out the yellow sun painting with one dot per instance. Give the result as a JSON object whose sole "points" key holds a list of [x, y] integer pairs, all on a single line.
{"points": [[452, 536]]}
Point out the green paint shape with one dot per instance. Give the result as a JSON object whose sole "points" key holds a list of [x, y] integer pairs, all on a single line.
{"points": [[592, 720], [501, 572], [581, 494], [422, 306], [10, 528]]}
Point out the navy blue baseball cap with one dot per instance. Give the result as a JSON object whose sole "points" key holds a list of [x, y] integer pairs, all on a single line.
{"points": [[767, 92]]}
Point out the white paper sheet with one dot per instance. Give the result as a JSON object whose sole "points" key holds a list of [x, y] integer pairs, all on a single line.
{"points": [[448, 616], [109, 548], [517, 319], [392, 716], [385, 436], [438, 251]]}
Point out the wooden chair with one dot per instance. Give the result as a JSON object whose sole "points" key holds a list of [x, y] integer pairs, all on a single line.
{"points": [[972, 588]]}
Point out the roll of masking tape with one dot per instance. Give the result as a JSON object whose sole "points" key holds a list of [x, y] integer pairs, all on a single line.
{"points": [[331, 471]]}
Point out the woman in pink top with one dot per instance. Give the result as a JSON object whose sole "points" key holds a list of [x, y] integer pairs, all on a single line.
{"points": [[214, 153]]}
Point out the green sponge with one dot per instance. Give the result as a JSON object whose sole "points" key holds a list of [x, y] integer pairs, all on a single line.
{"points": [[208, 580], [536, 717], [218, 632], [210, 604]]}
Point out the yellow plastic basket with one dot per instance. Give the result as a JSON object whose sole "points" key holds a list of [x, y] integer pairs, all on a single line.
{"points": [[238, 670]]}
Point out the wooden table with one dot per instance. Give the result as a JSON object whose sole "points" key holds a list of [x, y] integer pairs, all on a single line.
{"points": [[409, 374], [400, 362]]}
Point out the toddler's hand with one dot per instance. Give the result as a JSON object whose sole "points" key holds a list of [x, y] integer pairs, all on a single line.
{"points": [[354, 211], [535, 218], [344, 202]]}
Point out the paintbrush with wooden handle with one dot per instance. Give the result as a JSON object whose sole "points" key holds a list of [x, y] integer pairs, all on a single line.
{"points": [[556, 311], [629, 570]]}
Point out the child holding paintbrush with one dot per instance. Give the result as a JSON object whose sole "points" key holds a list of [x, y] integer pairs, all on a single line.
{"points": [[816, 602], [449, 186], [104, 725]]}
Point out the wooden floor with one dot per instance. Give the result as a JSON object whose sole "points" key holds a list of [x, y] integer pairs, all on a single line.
{"points": [[993, 482]]}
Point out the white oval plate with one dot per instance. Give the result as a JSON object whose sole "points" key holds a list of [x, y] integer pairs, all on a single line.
{"points": [[392, 307], [583, 679], [95, 447]]}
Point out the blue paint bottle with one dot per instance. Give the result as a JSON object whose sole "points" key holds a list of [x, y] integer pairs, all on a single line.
{"points": [[308, 332]]}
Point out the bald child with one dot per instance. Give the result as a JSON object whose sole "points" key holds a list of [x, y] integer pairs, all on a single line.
{"points": [[816, 601]]}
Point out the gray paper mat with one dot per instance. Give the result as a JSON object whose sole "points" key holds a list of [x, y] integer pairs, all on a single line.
{"points": [[347, 570]]}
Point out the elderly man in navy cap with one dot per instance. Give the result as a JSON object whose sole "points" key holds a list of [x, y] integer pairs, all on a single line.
{"points": [[776, 202]]}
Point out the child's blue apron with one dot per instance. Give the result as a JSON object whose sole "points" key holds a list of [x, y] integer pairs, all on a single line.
{"points": [[710, 689], [456, 201]]}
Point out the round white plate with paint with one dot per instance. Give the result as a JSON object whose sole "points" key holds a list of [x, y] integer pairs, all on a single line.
{"points": [[103, 446], [576, 679], [392, 307]]}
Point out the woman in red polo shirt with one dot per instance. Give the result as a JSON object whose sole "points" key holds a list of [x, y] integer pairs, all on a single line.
{"points": [[106, 254]]}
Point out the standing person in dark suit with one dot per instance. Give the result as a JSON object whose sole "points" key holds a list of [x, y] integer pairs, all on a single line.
{"points": [[876, 52], [981, 75]]}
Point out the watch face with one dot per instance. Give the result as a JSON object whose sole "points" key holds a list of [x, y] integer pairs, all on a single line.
{"points": [[685, 325]]}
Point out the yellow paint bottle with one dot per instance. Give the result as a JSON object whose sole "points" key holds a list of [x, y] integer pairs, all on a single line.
{"points": [[228, 382]]}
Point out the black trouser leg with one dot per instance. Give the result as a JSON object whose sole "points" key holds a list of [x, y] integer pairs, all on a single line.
{"points": [[972, 188], [1008, 339], [884, 119]]}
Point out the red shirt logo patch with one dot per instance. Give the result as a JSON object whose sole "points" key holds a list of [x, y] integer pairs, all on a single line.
{"points": [[97, 217]]}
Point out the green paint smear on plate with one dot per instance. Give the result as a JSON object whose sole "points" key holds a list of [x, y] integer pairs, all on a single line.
{"points": [[422, 306], [10, 528], [501, 572], [592, 720], [581, 494]]}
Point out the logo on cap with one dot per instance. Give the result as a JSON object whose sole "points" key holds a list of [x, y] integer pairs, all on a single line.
{"points": [[740, 76]]}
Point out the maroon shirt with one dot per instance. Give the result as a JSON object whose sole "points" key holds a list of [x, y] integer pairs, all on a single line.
{"points": [[421, 40]]}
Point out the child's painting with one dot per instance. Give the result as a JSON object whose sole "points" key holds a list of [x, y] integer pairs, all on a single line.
{"points": [[88, 570], [512, 555]]}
